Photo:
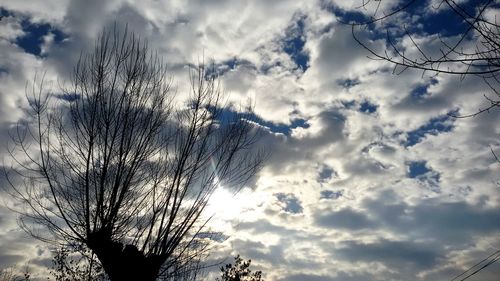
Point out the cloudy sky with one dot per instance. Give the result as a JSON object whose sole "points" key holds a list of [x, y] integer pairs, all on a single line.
{"points": [[369, 178]]}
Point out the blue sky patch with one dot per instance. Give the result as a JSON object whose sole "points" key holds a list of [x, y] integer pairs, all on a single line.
{"points": [[348, 83], [217, 69], [435, 126], [326, 173], [32, 40], [345, 16], [291, 203], [367, 107], [229, 114], [443, 21], [282, 128], [349, 104], [214, 236], [5, 13], [68, 97], [294, 42], [356, 16], [330, 194], [417, 168], [419, 20], [420, 171], [265, 68], [420, 91], [230, 64]]}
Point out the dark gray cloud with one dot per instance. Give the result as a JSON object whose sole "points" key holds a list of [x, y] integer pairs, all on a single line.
{"points": [[344, 219], [321, 212], [309, 277], [393, 254], [7, 260], [262, 226], [431, 219], [354, 276], [262, 254]]}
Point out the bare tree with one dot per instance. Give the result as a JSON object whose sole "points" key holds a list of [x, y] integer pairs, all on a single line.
{"points": [[10, 275], [76, 263], [474, 51], [240, 271], [112, 163], [456, 58]]}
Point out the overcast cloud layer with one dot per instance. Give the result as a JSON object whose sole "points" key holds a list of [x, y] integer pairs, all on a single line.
{"points": [[369, 178]]}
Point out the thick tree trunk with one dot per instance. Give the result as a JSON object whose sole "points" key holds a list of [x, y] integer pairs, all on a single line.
{"points": [[124, 263]]}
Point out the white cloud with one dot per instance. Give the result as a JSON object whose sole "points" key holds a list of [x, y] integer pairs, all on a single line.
{"points": [[381, 224]]}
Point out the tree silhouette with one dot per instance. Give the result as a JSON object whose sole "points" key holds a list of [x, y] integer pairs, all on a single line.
{"points": [[455, 57], [114, 164], [9, 274], [449, 57], [240, 271], [474, 51], [76, 263]]}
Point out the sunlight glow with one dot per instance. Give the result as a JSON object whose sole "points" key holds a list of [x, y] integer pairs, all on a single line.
{"points": [[224, 207]]}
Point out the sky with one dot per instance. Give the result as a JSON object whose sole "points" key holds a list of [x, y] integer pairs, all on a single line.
{"points": [[368, 177]]}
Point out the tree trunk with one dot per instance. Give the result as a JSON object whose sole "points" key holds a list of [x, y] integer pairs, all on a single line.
{"points": [[124, 263]]}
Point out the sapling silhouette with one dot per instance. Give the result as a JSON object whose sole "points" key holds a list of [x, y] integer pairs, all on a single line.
{"points": [[239, 271]]}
